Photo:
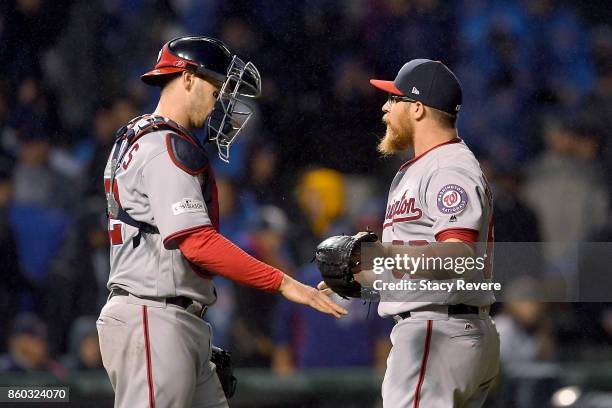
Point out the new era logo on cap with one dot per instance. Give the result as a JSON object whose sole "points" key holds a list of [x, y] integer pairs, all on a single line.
{"points": [[415, 90]]}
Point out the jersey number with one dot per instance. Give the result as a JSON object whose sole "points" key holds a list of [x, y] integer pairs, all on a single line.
{"points": [[114, 227], [130, 154]]}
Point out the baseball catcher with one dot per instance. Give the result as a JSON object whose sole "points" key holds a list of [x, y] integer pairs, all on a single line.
{"points": [[164, 230]]}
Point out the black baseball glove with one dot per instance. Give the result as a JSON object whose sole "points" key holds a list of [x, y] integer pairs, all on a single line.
{"points": [[223, 361], [336, 257]]}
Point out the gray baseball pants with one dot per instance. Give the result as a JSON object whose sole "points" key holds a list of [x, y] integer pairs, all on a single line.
{"points": [[157, 355], [441, 361]]}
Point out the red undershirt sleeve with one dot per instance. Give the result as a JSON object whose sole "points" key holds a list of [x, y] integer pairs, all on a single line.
{"points": [[464, 234], [210, 250], [468, 236]]}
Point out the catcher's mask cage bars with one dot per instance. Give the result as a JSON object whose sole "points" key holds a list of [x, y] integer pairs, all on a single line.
{"points": [[243, 81]]}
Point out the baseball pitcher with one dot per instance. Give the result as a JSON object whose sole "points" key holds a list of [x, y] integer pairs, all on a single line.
{"points": [[445, 345]]}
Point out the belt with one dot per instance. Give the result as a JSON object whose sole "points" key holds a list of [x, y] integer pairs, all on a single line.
{"points": [[452, 310], [180, 301]]}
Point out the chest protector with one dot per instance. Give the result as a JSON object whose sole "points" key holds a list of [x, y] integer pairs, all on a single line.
{"points": [[185, 152]]}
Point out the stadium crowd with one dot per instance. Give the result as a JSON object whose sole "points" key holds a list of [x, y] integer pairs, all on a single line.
{"points": [[537, 80]]}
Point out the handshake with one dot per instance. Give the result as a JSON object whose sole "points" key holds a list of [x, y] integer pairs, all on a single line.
{"points": [[339, 259]]}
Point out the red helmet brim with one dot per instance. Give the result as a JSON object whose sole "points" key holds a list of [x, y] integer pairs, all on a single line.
{"points": [[155, 76]]}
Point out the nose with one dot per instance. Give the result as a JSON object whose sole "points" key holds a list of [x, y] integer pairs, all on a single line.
{"points": [[386, 107]]}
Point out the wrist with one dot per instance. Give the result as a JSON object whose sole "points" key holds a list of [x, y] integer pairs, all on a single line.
{"points": [[285, 282]]}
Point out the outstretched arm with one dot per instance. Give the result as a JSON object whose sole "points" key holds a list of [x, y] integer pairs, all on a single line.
{"points": [[210, 250]]}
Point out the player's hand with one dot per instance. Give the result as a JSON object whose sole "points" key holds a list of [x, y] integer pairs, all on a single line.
{"points": [[299, 293], [322, 286]]}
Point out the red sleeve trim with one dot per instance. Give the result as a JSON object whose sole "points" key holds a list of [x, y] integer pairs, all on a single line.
{"points": [[464, 234], [216, 254], [183, 232]]}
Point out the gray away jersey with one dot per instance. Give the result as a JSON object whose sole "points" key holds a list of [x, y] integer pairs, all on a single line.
{"points": [[432, 197], [152, 189]]}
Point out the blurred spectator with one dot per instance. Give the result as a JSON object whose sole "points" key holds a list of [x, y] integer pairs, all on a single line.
{"points": [[38, 214], [514, 220], [35, 182], [525, 327], [28, 28], [84, 349], [96, 150], [370, 215], [235, 211], [305, 339], [599, 101], [266, 237], [396, 31], [516, 227], [195, 14], [321, 204], [32, 115], [595, 300], [565, 188], [353, 105], [261, 178], [28, 350], [12, 280], [251, 335], [527, 335], [519, 59], [77, 278]]}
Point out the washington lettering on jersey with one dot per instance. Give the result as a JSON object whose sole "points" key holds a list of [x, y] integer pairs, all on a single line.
{"points": [[402, 210], [439, 195]]}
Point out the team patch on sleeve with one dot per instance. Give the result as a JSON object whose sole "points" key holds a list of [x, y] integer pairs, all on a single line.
{"points": [[452, 199], [187, 205]]}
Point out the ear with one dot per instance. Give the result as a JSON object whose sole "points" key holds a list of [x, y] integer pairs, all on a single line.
{"points": [[417, 109], [187, 79]]}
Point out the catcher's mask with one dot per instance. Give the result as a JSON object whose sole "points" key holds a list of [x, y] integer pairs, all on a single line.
{"points": [[211, 59]]}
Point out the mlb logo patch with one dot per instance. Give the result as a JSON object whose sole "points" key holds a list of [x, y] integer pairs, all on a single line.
{"points": [[452, 199]]}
